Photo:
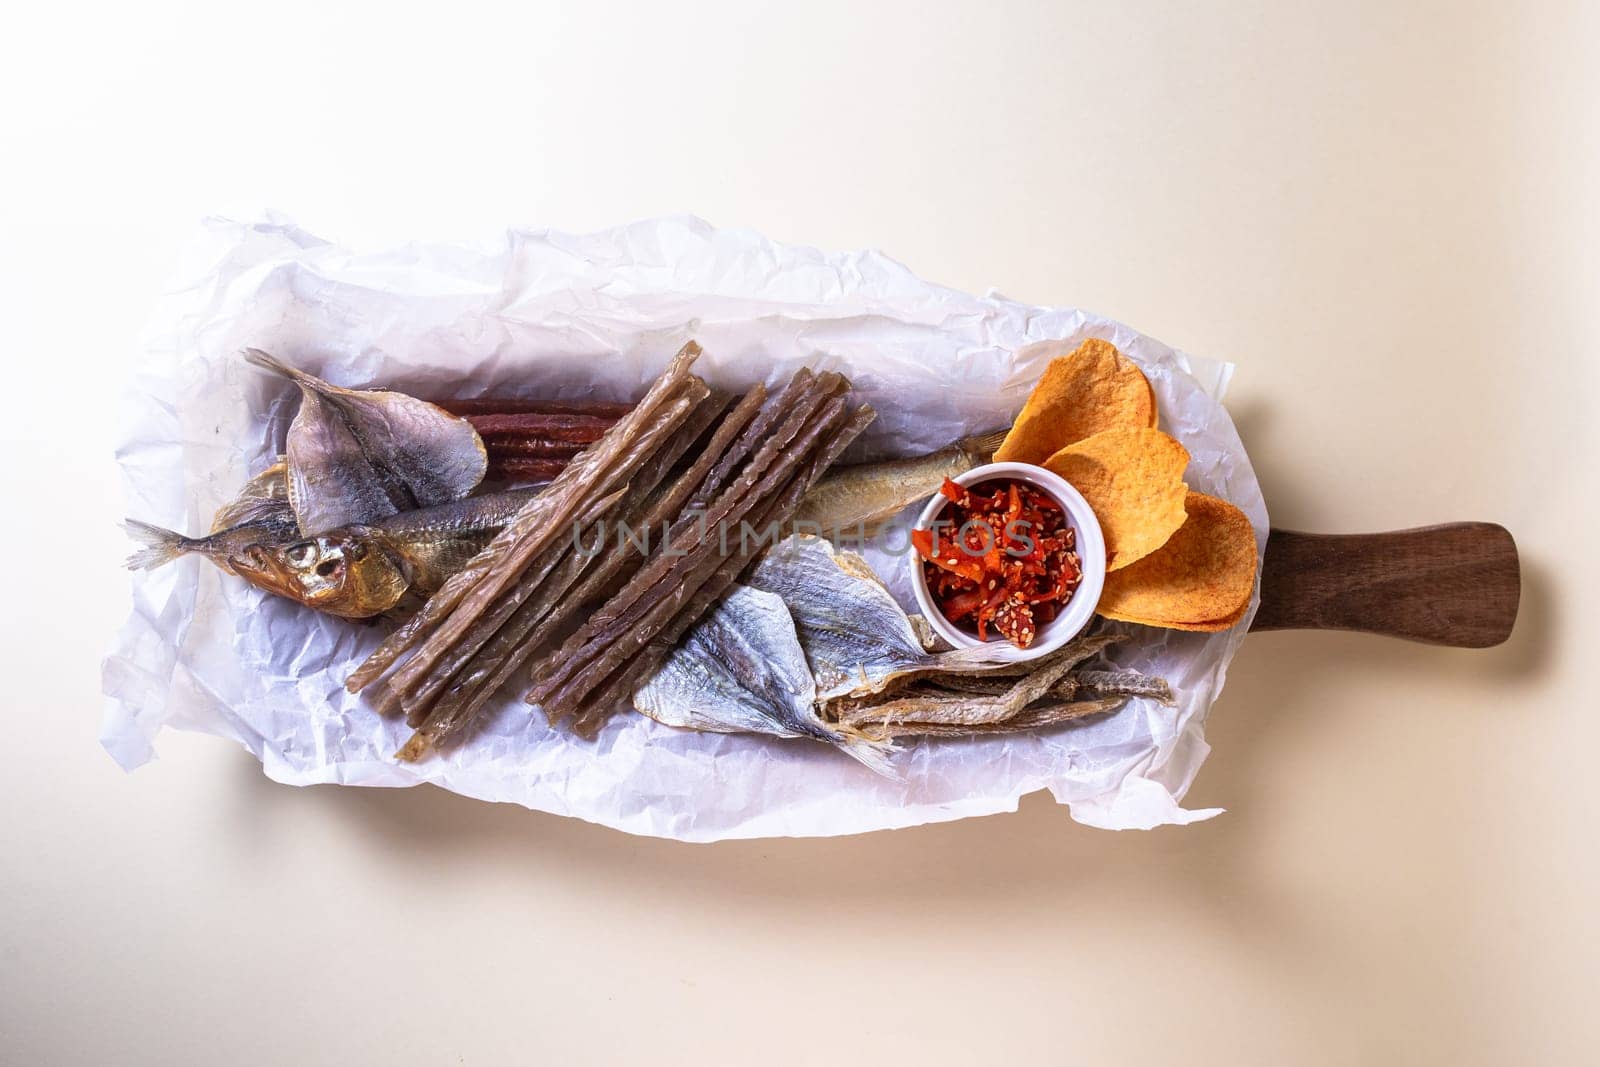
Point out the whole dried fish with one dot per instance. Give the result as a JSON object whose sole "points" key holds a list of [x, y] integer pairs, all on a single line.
{"points": [[741, 670], [860, 498], [356, 571], [355, 455], [259, 515]]}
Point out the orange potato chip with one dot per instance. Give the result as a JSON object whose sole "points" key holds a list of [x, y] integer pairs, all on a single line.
{"points": [[1095, 388], [1133, 479], [1201, 579]]}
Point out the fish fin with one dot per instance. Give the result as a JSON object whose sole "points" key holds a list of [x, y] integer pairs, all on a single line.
{"points": [[983, 447], [872, 754], [160, 545]]}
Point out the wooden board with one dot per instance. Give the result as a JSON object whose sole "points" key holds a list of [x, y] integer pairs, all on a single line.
{"points": [[1456, 584]]}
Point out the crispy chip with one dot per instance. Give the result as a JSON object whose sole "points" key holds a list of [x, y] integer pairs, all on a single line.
{"points": [[1201, 579], [1095, 388], [1133, 479]]}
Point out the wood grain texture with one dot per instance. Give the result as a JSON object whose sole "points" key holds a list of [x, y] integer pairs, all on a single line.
{"points": [[1456, 584]]}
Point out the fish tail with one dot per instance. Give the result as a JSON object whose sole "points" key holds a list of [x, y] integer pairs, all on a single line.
{"points": [[873, 755], [160, 546], [983, 447], [268, 362]]}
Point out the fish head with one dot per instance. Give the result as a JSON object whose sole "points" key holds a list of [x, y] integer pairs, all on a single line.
{"points": [[350, 572]]}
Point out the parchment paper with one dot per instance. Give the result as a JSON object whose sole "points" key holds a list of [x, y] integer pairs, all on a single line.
{"points": [[598, 315]]}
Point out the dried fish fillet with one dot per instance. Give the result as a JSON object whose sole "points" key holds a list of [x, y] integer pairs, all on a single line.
{"points": [[1035, 718], [356, 455], [1077, 685], [741, 670], [857, 637]]}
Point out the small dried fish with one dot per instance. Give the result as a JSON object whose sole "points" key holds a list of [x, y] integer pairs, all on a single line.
{"points": [[1035, 718], [862, 497], [356, 455], [1088, 684], [259, 515], [355, 572], [964, 709], [741, 670]]}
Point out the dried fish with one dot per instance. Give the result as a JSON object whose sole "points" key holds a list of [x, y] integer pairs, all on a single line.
{"points": [[357, 572], [860, 498], [355, 456], [1078, 684], [259, 515], [963, 709], [741, 670], [857, 637], [1035, 718]]}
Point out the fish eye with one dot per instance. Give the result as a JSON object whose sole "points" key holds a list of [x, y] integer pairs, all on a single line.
{"points": [[301, 554]]}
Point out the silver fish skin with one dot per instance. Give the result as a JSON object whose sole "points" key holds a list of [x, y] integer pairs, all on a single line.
{"points": [[857, 638], [742, 670], [861, 498], [359, 455]]}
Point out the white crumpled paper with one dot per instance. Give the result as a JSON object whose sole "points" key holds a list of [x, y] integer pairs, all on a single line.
{"points": [[598, 315]]}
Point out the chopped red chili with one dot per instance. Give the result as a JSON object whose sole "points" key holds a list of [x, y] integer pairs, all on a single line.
{"points": [[1001, 556]]}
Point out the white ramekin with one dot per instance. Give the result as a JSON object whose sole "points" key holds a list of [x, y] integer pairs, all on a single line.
{"points": [[1091, 548]]}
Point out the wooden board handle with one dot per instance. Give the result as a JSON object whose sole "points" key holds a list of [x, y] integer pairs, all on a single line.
{"points": [[1456, 584]]}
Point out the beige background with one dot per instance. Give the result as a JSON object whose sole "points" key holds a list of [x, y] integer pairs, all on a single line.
{"points": [[1385, 213]]}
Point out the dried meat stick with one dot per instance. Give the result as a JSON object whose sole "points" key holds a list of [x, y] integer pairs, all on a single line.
{"points": [[800, 384], [512, 644], [564, 561], [413, 692], [530, 445], [626, 632], [731, 499], [483, 597], [633, 672], [554, 505], [615, 566], [610, 567], [579, 429], [392, 695], [527, 468], [733, 502], [511, 405]]}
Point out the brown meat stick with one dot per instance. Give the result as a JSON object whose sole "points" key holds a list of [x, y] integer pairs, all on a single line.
{"points": [[514, 405], [495, 582], [564, 563], [579, 429], [625, 632], [633, 672], [552, 505], [669, 559], [513, 644], [610, 566]]}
